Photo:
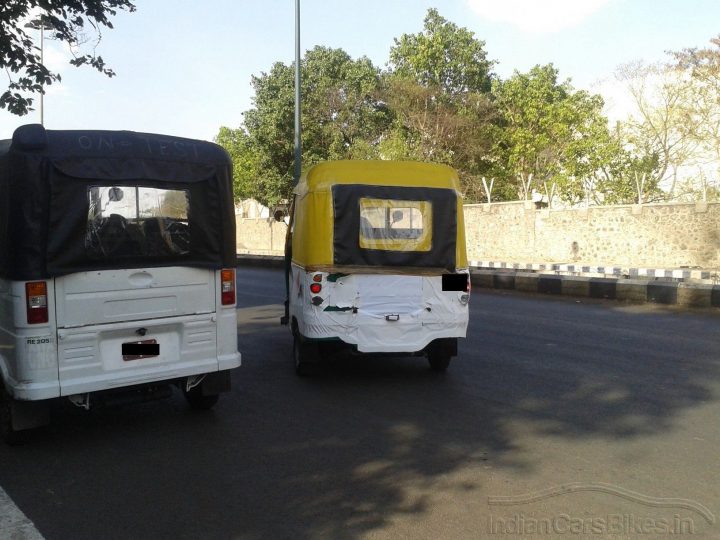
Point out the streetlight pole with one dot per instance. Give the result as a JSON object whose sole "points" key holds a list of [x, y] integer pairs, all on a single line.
{"points": [[296, 174], [298, 141], [42, 63], [40, 24]]}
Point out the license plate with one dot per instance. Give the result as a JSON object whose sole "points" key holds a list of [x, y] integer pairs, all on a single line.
{"points": [[137, 350]]}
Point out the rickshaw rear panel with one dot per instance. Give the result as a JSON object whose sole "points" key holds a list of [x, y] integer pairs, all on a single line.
{"points": [[368, 245], [378, 312]]}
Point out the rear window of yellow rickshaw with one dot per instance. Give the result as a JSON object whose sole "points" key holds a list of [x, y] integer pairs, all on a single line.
{"points": [[395, 225]]}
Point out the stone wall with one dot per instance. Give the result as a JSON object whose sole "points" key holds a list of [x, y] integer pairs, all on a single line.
{"points": [[653, 235], [500, 232], [262, 236]]}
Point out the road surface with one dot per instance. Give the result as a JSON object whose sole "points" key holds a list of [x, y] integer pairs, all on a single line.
{"points": [[604, 416]]}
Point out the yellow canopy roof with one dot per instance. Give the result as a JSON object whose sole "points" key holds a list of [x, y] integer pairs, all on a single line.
{"points": [[322, 176], [313, 236]]}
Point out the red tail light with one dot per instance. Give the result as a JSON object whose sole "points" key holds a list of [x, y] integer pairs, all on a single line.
{"points": [[315, 288], [227, 286], [468, 285], [37, 303]]}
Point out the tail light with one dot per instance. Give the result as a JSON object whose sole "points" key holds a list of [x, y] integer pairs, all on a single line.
{"points": [[227, 286], [468, 284], [315, 288], [37, 302]]}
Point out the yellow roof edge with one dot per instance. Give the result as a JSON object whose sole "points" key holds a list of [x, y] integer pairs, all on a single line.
{"points": [[322, 176]]}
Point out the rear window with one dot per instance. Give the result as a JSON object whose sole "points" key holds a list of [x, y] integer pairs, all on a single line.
{"points": [[395, 225], [137, 221]]}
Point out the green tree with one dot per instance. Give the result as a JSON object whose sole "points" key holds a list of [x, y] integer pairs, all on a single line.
{"points": [[267, 134], [550, 134], [343, 118], [343, 114], [249, 178], [437, 89], [443, 56], [611, 173], [64, 21]]}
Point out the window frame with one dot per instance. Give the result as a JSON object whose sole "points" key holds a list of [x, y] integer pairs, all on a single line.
{"points": [[423, 243]]}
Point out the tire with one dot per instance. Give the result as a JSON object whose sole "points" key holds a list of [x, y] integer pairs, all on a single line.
{"points": [[305, 356], [198, 401], [8, 434], [439, 359]]}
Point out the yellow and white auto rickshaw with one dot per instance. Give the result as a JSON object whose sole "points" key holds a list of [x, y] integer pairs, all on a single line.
{"points": [[376, 262]]}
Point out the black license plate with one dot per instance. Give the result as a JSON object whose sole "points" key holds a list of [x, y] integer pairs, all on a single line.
{"points": [[137, 350], [455, 282]]}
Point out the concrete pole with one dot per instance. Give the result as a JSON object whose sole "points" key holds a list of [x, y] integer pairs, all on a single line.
{"points": [[42, 62], [298, 127]]}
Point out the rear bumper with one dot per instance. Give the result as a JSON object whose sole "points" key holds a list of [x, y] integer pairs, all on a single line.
{"points": [[90, 359], [28, 391], [106, 382], [229, 361], [383, 338]]}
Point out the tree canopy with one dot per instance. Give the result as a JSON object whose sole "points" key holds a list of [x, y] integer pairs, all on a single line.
{"points": [[65, 21], [439, 100], [443, 56], [549, 134], [344, 117], [438, 91]]}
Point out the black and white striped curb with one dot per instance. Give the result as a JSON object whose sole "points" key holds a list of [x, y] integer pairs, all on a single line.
{"points": [[644, 288], [627, 290], [711, 276]]}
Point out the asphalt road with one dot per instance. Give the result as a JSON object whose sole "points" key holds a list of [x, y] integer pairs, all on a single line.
{"points": [[618, 404]]}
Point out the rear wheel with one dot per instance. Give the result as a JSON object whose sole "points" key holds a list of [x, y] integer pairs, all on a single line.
{"points": [[439, 361], [439, 355], [198, 401], [7, 432], [305, 356]]}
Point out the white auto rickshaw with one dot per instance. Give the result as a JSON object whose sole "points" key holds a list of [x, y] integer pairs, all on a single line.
{"points": [[376, 262], [117, 270]]}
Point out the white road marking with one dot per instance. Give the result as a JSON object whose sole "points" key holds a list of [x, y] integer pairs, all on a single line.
{"points": [[13, 523]]}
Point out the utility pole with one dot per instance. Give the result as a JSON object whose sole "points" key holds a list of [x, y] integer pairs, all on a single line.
{"points": [[285, 319], [41, 24], [42, 62], [298, 142]]}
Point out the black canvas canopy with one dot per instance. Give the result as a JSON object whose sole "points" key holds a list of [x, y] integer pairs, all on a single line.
{"points": [[346, 246], [45, 177]]}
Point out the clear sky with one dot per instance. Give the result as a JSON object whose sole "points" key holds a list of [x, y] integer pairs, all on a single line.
{"points": [[184, 67]]}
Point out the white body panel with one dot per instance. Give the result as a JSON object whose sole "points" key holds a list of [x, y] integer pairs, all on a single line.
{"points": [[376, 312], [91, 314], [107, 296]]}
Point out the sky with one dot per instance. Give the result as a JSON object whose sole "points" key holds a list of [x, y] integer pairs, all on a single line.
{"points": [[184, 67]]}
